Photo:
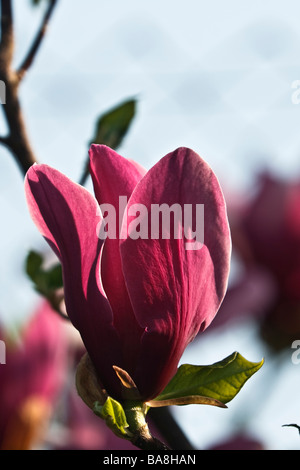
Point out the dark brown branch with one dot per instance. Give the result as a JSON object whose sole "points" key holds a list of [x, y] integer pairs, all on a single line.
{"points": [[21, 71], [7, 35], [145, 441], [4, 141], [17, 140], [164, 421]]}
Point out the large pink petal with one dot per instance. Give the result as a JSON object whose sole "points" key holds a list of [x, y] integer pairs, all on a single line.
{"points": [[175, 292], [114, 176], [67, 215]]}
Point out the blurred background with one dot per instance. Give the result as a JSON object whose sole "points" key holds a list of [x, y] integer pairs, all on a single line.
{"points": [[214, 76]]}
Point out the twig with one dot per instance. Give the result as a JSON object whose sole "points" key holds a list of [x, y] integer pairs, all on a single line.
{"points": [[7, 35], [17, 140], [21, 71], [148, 442], [4, 141], [164, 421]]}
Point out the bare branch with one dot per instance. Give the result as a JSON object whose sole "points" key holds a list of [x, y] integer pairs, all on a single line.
{"points": [[7, 37], [5, 141], [17, 140], [21, 71], [168, 427]]}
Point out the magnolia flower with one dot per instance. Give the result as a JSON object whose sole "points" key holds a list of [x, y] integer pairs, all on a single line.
{"points": [[137, 301], [267, 233], [266, 237], [32, 379]]}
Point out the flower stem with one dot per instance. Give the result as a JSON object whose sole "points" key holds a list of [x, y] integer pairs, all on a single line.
{"points": [[142, 437]]}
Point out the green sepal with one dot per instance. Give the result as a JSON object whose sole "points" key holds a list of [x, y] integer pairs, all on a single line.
{"points": [[114, 415], [220, 381]]}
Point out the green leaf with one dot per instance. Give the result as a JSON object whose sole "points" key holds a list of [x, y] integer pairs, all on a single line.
{"points": [[112, 126], [46, 281], [114, 415], [36, 2], [53, 277], [111, 129], [220, 381], [34, 262]]}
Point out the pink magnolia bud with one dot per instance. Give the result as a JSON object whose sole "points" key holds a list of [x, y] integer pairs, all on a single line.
{"points": [[137, 301]]}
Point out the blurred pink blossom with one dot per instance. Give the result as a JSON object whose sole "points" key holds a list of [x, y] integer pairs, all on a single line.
{"points": [[32, 378], [265, 232]]}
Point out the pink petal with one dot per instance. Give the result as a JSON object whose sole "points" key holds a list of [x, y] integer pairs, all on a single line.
{"points": [[174, 291], [114, 176], [67, 216]]}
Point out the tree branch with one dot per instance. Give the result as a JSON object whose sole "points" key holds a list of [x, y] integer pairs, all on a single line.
{"points": [[168, 427], [145, 441], [7, 36], [21, 71], [17, 140], [4, 141]]}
